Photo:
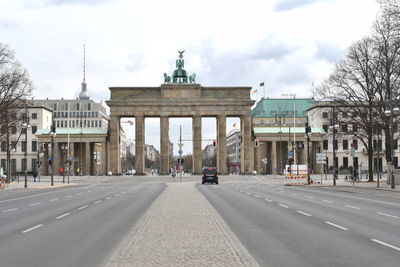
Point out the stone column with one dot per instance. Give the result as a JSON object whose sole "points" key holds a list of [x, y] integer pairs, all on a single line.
{"points": [[221, 155], [115, 149], [87, 161], [103, 161], [164, 143], [57, 157], [248, 145], [139, 148], [197, 161], [274, 158], [257, 160]]}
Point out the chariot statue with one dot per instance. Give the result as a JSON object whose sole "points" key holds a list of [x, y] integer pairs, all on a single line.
{"points": [[180, 75]]}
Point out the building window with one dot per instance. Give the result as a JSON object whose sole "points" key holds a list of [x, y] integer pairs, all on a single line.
{"points": [[344, 114], [335, 162], [14, 145], [66, 106], [394, 127], [34, 115], [324, 114], [23, 130], [55, 106], [325, 145], [344, 128], [345, 145], [355, 144], [395, 163], [3, 146], [34, 129], [13, 165], [354, 128], [34, 165], [34, 146], [23, 146], [73, 124], [23, 165], [55, 114], [4, 164], [345, 162], [89, 106], [99, 123], [335, 144], [78, 106], [325, 127], [58, 124], [394, 144], [95, 123]]}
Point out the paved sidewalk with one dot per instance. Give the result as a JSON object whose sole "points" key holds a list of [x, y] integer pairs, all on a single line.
{"points": [[181, 228], [45, 182]]}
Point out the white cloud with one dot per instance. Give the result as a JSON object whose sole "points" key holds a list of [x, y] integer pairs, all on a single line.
{"points": [[286, 44]]}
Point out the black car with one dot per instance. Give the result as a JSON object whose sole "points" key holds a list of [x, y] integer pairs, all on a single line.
{"points": [[210, 175]]}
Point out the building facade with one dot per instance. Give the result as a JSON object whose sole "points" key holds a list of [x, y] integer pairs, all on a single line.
{"points": [[233, 151]]}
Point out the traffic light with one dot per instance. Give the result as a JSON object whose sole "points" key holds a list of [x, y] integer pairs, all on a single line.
{"points": [[53, 128], [307, 128], [257, 142], [214, 143]]}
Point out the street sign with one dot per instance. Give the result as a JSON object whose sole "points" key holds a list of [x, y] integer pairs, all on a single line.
{"points": [[180, 152], [265, 161], [290, 154], [321, 158], [180, 145]]}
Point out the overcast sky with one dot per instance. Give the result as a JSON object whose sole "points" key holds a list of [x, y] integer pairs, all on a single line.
{"points": [[288, 44]]}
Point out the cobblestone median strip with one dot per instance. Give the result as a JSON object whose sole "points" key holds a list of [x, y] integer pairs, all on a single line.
{"points": [[181, 228]]}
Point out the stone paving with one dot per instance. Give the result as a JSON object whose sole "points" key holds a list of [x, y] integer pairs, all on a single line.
{"points": [[181, 229]]}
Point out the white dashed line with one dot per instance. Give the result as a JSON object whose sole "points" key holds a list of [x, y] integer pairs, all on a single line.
{"points": [[32, 228], [98, 201], [54, 199], [10, 210], [117, 195], [304, 213], [248, 193], [385, 244], [337, 226], [34, 204], [62, 216], [283, 205], [266, 199], [309, 197], [388, 215], [327, 201], [123, 192], [83, 207], [241, 191], [89, 191], [108, 197], [353, 207], [68, 196], [257, 196]]}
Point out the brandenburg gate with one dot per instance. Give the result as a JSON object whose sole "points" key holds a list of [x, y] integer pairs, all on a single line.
{"points": [[180, 97]]}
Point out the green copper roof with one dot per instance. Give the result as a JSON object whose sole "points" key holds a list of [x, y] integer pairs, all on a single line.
{"points": [[268, 107], [73, 131], [285, 130]]}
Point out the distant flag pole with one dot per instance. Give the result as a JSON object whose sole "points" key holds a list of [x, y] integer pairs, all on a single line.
{"points": [[262, 84], [234, 125]]}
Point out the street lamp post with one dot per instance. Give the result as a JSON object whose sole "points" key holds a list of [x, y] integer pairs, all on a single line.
{"points": [[64, 148], [52, 134], [393, 111], [334, 127], [26, 126], [308, 133]]}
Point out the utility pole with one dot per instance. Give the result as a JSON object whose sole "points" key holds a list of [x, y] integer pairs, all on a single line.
{"points": [[26, 124], [180, 154]]}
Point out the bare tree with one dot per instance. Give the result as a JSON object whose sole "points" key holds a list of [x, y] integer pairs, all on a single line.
{"points": [[352, 88], [15, 86]]}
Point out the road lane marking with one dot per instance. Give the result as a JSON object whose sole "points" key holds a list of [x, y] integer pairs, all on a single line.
{"points": [[98, 201], [108, 197], [385, 244], [337, 226], [54, 199], [304, 213], [34, 204], [32, 228], [327, 201], [10, 210], [62, 216], [353, 207], [80, 193], [125, 192], [89, 191], [309, 197], [257, 196], [241, 191], [388, 215], [83, 207], [117, 195], [266, 199], [68, 196], [283, 205], [248, 193]]}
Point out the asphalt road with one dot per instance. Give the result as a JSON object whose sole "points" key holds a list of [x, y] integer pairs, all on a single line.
{"points": [[76, 226], [303, 226]]}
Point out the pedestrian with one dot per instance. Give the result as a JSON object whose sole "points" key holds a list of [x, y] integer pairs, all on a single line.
{"points": [[60, 170], [77, 171], [34, 174]]}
